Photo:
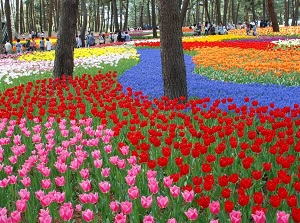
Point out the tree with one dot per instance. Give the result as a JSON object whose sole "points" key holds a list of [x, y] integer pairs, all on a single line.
{"points": [[8, 20], [173, 66], [184, 9], [115, 13], [273, 17], [153, 19], [64, 53], [1, 34], [84, 22]]}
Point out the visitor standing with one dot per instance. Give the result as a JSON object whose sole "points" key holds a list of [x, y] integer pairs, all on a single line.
{"points": [[19, 46], [48, 44], [127, 37], [78, 41], [33, 45], [42, 44], [221, 29], [8, 47], [247, 24]]}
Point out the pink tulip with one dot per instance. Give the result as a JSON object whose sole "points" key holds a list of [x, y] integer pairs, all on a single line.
{"points": [[85, 185], [214, 221], [24, 194], [98, 163], [44, 216], [15, 216], [162, 201], [46, 200], [153, 185], [59, 197], [235, 216], [60, 181], [124, 150], [105, 172], [188, 196], [192, 214], [26, 181], [46, 184], [121, 163], [108, 149], [168, 182], [78, 207], [96, 154], [4, 182], [282, 217], [148, 219], [130, 180], [8, 169], [13, 159], [84, 198], [133, 192], [126, 207], [60, 166], [93, 198], [12, 179], [66, 211], [137, 168], [114, 160], [88, 215], [104, 187], [151, 174], [146, 201], [132, 160], [214, 207], [84, 173], [259, 217], [172, 220], [114, 206], [120, 218], [175, 191], [21, 205]]}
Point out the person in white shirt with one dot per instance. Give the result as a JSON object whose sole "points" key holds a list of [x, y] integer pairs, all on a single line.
{"points": [[48, 44], [8, 47]]}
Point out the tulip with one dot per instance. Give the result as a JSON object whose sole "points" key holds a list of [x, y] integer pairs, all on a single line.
{"points": [[15, 216], [282, 217], [162, 201], [235, 216], [133, 192], [214, 221], [192, 214], [21, 205], [85, 185], [153, 186], [44, 216], [168, 182], [188, 196], [259, 217], [66, 211], [126, 207], [114, 206], [214, 207], [148, 219], [88, 215], [104, 187], [172, 220], [175, 191], [105, 172], [120, 218], [146, 201]]}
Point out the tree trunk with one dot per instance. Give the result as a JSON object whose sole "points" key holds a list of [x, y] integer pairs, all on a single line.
{"points": [[1, 33], [184, 8], [22, 23], [142, 14], [108, 18], [218, 7], [197, 11], [273, 17], [232, 12], [237, 12], [17, 16], [2, 9], [296, 11], [64, 53], [97, 22], [115, 11], [8, 20], [84, 22], [135, 15], [50, 18], [121, 14], [253, 10], [286, 16], [126, 15], [111, 16], [153, 18], [102, 23], [173, 66], [226, 3], [58, 10], [41, 16], [206, 10], [44, 14], [264, 9], [148, 13]]}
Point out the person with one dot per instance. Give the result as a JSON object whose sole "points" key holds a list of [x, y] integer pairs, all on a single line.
{"points": [[48, 44], [220, 28], [213, 29], [28, 45], [127, 37], [92, 40], [78, 41], [111, 37], [42, 44], [33, 45], [19, 46], [122, 36], [247, 24], [206, 28], [254, 30], [8, 47], [101, 38], [197, 32], [116, 37]]}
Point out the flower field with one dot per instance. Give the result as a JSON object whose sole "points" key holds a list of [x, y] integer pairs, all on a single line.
{"points": [[109, 147]]}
